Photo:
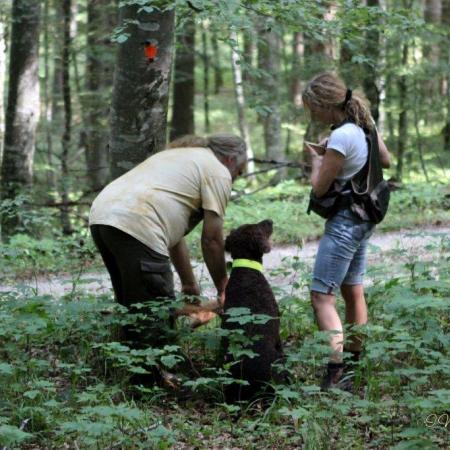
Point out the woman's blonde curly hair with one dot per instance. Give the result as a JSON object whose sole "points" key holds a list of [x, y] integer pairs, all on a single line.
{"points": [[327, 90]]}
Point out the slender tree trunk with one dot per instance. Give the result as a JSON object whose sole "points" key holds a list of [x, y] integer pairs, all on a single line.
{"points": [[56, 91], [141, 89], [218, 78], [23, 105], [370, 71], [403, 116], [240, 98], [67, 100], [269, 62], [184, 83], [205, 80], [248, 54], [51, 178], [297, 55], [2, 77], [98, 82], [416, 112]]}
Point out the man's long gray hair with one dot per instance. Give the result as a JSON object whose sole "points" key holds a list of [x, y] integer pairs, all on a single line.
{"points": [[228, 145], [222, 144]]}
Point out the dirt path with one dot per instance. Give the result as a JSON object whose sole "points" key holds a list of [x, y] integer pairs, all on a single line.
{"points": [[398, 246]]}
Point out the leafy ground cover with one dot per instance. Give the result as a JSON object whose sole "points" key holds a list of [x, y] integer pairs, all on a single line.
{"points": [[64, 375]]}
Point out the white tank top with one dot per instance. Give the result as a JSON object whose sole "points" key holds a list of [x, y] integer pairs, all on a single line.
{"points": [[350, 141]]}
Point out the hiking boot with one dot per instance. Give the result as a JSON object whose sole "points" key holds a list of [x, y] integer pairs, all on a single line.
{"points": [[336, 377]]}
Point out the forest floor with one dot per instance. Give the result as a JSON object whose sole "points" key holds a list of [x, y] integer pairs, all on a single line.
{"points": [[66, 380], [405, 245]]}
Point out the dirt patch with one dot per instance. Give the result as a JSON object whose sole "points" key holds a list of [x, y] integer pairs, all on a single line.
{"points": [[282, 264]]}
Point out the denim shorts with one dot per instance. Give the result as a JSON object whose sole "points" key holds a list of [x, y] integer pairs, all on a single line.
{"points": [[341, 257]]}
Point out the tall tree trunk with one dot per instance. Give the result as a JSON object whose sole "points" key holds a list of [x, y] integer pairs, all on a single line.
{"points": [[269, 63], [51, 178], [2, 77], [416, 113], [22, 113], [141, 88], [98, 82], [403, 116], [240, 98], [183, 84], [67, 100], [218, 78], [370, 71]]}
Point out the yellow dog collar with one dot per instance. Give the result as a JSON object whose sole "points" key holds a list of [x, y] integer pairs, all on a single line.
{"points": [[248, 263]]}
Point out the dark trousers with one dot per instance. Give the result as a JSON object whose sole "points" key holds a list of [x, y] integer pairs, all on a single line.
{"points": [[138, 274]]}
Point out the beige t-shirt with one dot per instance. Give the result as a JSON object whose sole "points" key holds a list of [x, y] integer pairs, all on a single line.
{"points": [[163, 198]]}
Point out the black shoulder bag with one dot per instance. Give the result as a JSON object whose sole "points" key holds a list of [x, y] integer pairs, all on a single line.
{"points": [[367, 193]]}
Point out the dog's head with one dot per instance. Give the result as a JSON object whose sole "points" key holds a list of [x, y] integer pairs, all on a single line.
{"points": [[250, 241]]}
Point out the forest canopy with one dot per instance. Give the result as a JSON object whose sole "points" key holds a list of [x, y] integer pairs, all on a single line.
{"points": [[81, 102]]}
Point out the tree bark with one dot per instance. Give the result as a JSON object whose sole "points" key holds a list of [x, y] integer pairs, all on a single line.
{"points": [[184, 83], [98, 83], [22, 113], [240, 98], [141, 88]]}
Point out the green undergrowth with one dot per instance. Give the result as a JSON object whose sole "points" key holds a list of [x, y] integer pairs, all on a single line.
{"points": [[64, 376]]}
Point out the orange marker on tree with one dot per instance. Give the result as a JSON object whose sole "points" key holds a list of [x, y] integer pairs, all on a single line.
{"points": [[150, 51]]}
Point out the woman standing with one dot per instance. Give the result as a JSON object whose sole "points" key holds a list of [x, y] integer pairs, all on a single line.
{"points": [[341, 258]]}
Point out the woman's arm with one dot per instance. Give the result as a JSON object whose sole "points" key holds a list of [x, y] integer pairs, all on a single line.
{"points": [[325, 169]]}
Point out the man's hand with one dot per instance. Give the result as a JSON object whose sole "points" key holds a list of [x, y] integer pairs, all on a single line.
{"points": [[190, 289], [221, 298]]}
